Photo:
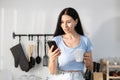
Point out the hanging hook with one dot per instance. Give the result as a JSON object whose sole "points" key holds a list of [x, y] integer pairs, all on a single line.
{"points": [[29, 37], [13, 35], [32, 37], [19, 38]]}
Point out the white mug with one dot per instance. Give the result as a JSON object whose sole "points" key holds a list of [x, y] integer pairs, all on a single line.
{"points": [[79, 55]]}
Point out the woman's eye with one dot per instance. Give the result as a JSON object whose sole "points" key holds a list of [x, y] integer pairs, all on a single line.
{"points": [[69, 22]]}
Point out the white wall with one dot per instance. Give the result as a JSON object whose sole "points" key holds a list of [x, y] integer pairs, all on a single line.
{"points": [[100, 19]]}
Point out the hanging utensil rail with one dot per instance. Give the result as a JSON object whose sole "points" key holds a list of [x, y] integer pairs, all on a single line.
{"points": [[20, 35]]}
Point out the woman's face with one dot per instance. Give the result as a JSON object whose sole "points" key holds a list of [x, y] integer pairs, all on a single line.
{"points": [[68, 24]]}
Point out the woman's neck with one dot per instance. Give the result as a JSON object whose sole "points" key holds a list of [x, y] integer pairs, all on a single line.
{"points": [[71, 36], [71, 40]]}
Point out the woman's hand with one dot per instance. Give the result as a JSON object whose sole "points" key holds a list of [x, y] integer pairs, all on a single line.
{"points": [[88, 60], [53, 55]]}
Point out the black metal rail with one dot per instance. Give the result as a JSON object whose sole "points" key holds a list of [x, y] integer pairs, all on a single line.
{"points": [[28, 35]]}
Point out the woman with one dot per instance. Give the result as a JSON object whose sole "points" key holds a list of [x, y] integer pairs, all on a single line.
{"points": [[74, 49]]}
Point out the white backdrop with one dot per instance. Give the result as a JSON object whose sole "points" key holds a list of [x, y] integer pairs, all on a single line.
{"points": [[100, 19]]}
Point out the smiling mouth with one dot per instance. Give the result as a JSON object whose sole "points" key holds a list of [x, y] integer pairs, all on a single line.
{"points": [[66, 30]]}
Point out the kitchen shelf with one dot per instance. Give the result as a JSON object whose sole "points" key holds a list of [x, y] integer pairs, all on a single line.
{"points": [[111, 77], [114, 66], [105, 64]]}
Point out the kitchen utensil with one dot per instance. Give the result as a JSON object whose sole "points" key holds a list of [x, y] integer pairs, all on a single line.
{"points": [[38, 58], [19, 56], [45, 57], [31, 58]]}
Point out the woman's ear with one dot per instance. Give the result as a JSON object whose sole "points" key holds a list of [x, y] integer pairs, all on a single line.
{"points": [[76, 21]]}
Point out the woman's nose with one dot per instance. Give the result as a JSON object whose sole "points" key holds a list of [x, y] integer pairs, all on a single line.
{"points": [[65, 25]]}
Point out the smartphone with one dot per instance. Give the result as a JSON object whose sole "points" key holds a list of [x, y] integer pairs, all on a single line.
{"points": [[51, 42]]}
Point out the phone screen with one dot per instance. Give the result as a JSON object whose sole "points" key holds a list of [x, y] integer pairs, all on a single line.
{"points": [[50, 43]]}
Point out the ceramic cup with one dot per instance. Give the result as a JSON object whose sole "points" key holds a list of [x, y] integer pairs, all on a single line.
{"points": [[79, 55]]}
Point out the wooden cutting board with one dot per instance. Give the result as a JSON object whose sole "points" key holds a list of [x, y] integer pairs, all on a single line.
{"points": [[97, 76]]}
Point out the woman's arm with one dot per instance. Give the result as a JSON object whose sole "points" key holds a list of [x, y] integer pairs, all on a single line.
{"points": [[52, 66], [88, 60], [53, 60]]}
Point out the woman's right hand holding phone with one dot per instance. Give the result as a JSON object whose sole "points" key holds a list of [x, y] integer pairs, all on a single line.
{"points": [[53, 54]]}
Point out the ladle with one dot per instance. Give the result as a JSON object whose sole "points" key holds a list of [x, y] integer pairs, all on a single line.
{"points": [[38, 58]]}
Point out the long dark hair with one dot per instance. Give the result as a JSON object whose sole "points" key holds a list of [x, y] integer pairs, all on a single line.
{"points": [[73, 13]]}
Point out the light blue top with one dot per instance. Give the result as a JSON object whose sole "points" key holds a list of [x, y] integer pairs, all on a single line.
{"points": [[67, 60]]}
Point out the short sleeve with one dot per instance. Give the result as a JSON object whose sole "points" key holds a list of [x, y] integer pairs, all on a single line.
{"points": [[89, 46]]}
